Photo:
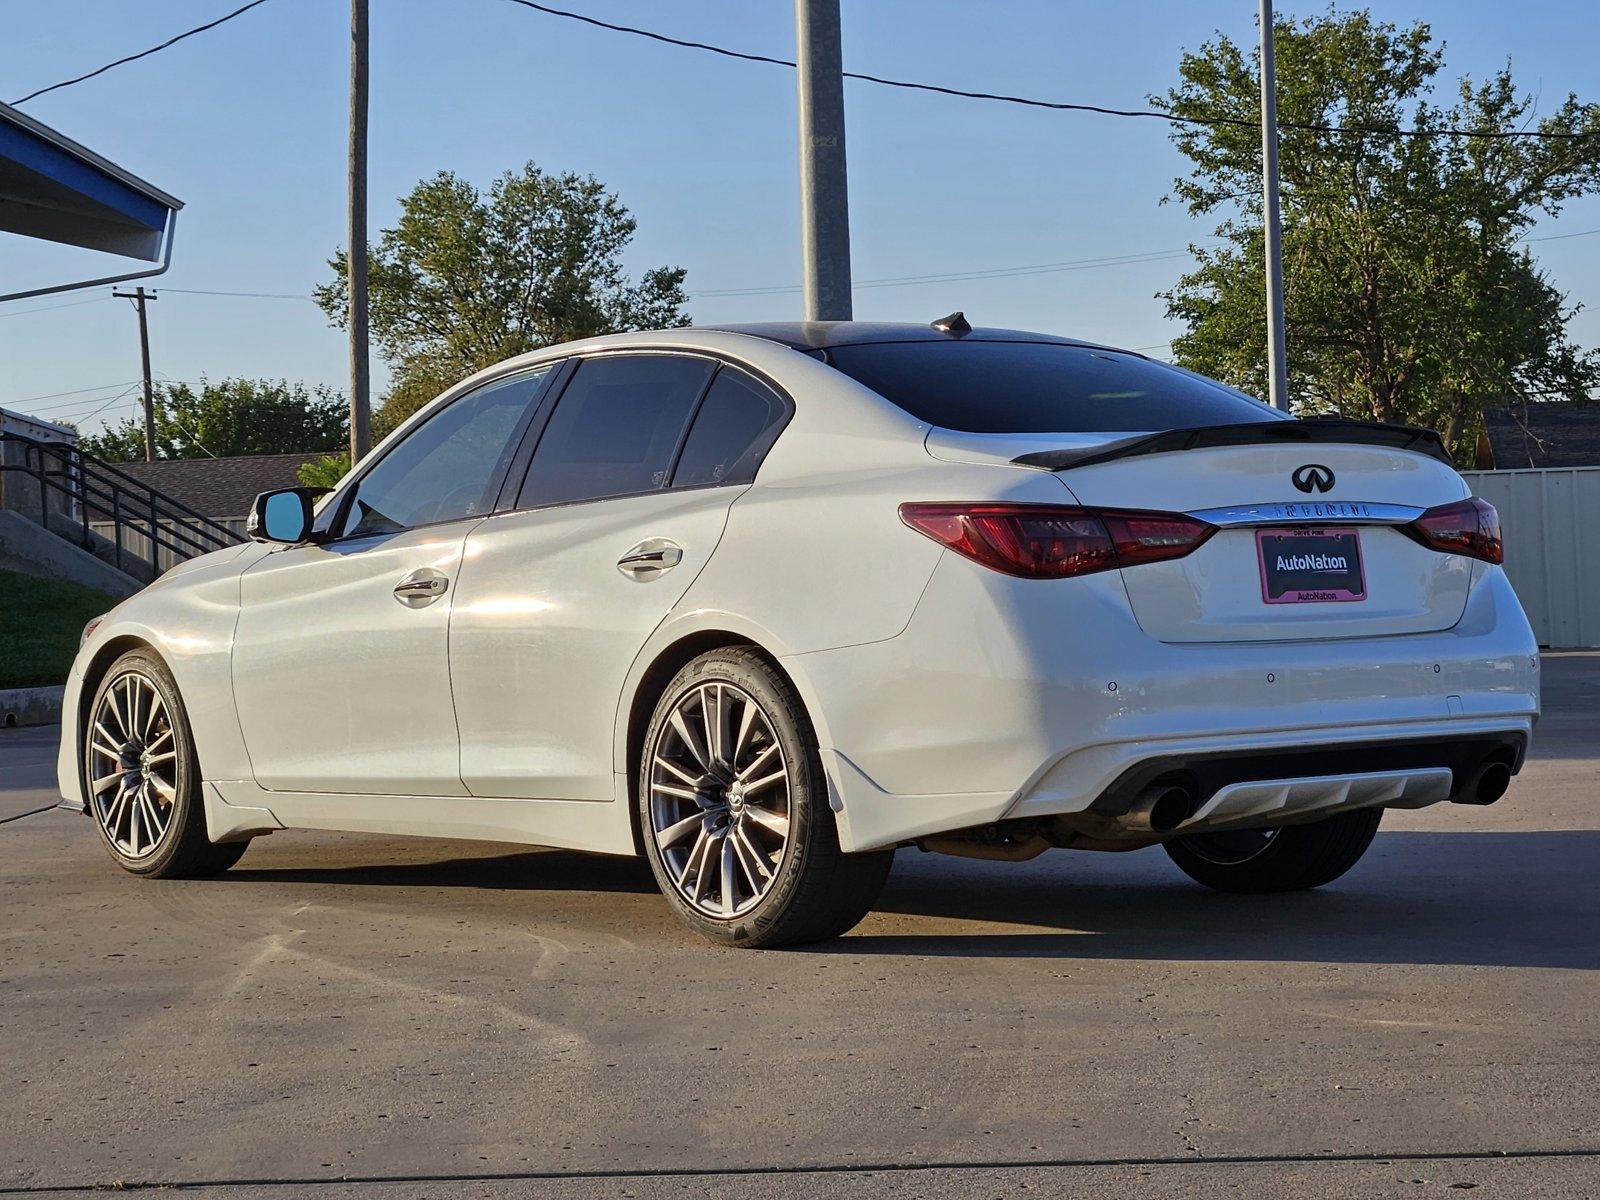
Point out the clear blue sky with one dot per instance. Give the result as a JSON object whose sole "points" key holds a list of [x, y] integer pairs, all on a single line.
{"points": [[247, 124]]}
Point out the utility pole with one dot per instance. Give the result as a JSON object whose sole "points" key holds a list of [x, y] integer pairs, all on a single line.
{"points": [[1272, 224], [139, 296], [356, 239], [824, 191]]}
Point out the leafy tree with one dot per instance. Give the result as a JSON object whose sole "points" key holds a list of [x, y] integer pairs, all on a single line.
{"points": [[1408, 296], [325, 471], [465, 279], [228, 418]]}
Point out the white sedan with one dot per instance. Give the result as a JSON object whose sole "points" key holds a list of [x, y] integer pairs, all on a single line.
{"points": [[764, 603]]}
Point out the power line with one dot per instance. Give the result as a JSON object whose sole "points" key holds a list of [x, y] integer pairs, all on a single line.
{"points": [[1057, 105], [172, 41], [1081, 264], [252, 295], [24, 312]]}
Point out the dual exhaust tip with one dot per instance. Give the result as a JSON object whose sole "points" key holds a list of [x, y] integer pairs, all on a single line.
{"points": [[1163, 807]]}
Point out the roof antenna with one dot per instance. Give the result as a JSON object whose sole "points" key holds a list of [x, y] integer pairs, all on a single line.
{"points": [[955, 324]]}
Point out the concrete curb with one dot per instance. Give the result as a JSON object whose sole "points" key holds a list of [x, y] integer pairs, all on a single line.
{"points": [[30, 706]]}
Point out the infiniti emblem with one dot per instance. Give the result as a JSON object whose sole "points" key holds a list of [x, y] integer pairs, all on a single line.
{"points": [[1313, 477]]}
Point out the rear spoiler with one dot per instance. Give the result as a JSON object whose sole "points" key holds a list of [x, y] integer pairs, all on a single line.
{"points": [[1311, 430]]}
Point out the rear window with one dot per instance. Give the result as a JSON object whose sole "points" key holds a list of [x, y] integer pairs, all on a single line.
{"points": [[1040, 387]]}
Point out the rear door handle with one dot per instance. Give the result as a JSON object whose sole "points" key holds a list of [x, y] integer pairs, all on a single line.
{"points": [[422, 587], [650, 558]]}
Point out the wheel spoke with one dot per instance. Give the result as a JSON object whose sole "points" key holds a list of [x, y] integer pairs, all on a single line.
{"points": [[103, 784], [675, 769], [695, 852], [108, 751], [165, 789], [747, 719], [673, 834], [156, 711], [728, 895], [156, 742], [772, 822], [667, 789], [754, 860], [154, 759], [130, 696], [689, 739], [765, 780], [756, 762]]}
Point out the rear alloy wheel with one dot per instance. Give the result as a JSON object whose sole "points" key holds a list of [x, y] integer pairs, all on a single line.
{"points": [[142, 778], [1287, 859], [733, 805]]}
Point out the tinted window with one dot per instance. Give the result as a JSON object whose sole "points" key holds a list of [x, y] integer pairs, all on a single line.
{"points": [[727, 440], [615, 428], [1034, 387], [446, 467]]}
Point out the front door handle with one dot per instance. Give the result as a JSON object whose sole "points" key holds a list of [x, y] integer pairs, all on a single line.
{"points": [[422, 587], [650, 558]]}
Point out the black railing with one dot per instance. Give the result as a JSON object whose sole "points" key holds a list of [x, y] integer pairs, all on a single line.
{"points": [[96, 491]]}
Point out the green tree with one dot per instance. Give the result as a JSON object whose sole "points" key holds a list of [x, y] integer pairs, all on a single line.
{"points": [[228, 418], [465, 279], [1408, 295]]}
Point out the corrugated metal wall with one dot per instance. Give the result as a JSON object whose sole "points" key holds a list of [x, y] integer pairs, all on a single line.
{"points": [[1551, 520]]}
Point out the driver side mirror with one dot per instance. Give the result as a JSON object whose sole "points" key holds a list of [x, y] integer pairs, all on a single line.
{"points": [[284, 515]]}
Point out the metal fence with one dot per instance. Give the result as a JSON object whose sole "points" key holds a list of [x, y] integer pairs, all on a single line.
{"points": [[163, 555], [1551, 521]]}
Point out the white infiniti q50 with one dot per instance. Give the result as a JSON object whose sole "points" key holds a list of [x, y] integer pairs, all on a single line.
{"points": [[763, 603]]}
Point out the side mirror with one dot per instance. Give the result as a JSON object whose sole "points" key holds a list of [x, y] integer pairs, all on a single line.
{"points": [[284, 515]]}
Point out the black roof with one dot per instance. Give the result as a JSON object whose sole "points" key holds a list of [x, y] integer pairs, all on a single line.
{"points": [[1547, 433], [820, 335], [220, 488]]}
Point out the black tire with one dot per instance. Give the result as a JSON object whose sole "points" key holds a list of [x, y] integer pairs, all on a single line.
{"points": [[1293, 858], [183, 850], [814, 891]]}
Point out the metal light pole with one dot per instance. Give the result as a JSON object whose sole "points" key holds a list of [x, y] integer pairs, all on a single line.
{"points": [[1277, 366], [356, 239], [824, 193]]}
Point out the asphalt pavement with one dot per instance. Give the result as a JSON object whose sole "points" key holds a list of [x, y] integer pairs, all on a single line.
{"points": [[354, 1016]]}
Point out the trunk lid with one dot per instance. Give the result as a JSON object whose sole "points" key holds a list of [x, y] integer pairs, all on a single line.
{"points": [[1244, 483]]}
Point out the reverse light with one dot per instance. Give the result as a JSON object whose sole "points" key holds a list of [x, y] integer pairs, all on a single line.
{"points": [[1468, 527], [1055, 541]]}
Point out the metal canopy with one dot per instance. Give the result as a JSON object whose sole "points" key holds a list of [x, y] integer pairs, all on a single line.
{"points": [[53, 188]]}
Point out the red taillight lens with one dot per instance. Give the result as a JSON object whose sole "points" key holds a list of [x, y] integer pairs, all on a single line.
{"points": [[1469, 527], [1049, 541]]}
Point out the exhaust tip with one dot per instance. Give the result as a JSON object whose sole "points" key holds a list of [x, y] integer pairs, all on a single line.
{"points": [[1492, 782], [1169, 808]]}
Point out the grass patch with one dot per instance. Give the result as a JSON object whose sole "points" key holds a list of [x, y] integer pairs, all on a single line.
{"points": [[41, 621]]}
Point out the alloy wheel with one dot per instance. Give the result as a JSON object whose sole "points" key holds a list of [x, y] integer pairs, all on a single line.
{"points": [[719, 799], [133, 765], [1230, 847]]}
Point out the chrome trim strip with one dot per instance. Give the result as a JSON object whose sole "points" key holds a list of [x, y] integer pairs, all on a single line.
{"points": [[1344, 512]]}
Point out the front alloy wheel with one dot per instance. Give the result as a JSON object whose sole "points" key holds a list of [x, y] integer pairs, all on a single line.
{"points": [[733, 805], [142, 777]]}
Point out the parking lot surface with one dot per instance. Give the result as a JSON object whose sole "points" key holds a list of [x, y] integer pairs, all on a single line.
{"points": [[354, 1016]]}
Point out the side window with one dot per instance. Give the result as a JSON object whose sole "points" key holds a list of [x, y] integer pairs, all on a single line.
{"points": [[445, 468], [730, 433], [615, 428]]}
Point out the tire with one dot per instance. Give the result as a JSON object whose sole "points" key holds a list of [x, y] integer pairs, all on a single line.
{"points": [[1288, 859], [145, 797], [731, 788]]}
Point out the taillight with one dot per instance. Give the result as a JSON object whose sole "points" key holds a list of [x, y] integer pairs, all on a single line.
{"points": [[1469, 527], [1051, 541]]}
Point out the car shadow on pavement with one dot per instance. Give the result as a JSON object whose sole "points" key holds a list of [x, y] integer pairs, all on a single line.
{"points": [[529, 870], [1470, 899]]}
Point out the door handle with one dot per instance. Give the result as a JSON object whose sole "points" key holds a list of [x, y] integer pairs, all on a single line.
{"points": [[423, 586], [650, 558]]}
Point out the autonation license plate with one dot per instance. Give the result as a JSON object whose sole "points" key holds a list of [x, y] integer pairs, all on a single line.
{"points": [[1303, 566]]}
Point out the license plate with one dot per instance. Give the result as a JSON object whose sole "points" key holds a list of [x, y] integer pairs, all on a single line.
{"points": [[1306, 566]]}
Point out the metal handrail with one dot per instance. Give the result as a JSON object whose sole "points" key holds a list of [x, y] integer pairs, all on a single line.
{"points": [[97, 486]]}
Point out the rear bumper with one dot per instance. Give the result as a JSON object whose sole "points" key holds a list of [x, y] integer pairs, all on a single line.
{"points": [[1014, 699]]}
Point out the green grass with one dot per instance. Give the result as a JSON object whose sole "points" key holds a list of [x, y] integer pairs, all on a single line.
{"points": [[41, 621]]}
